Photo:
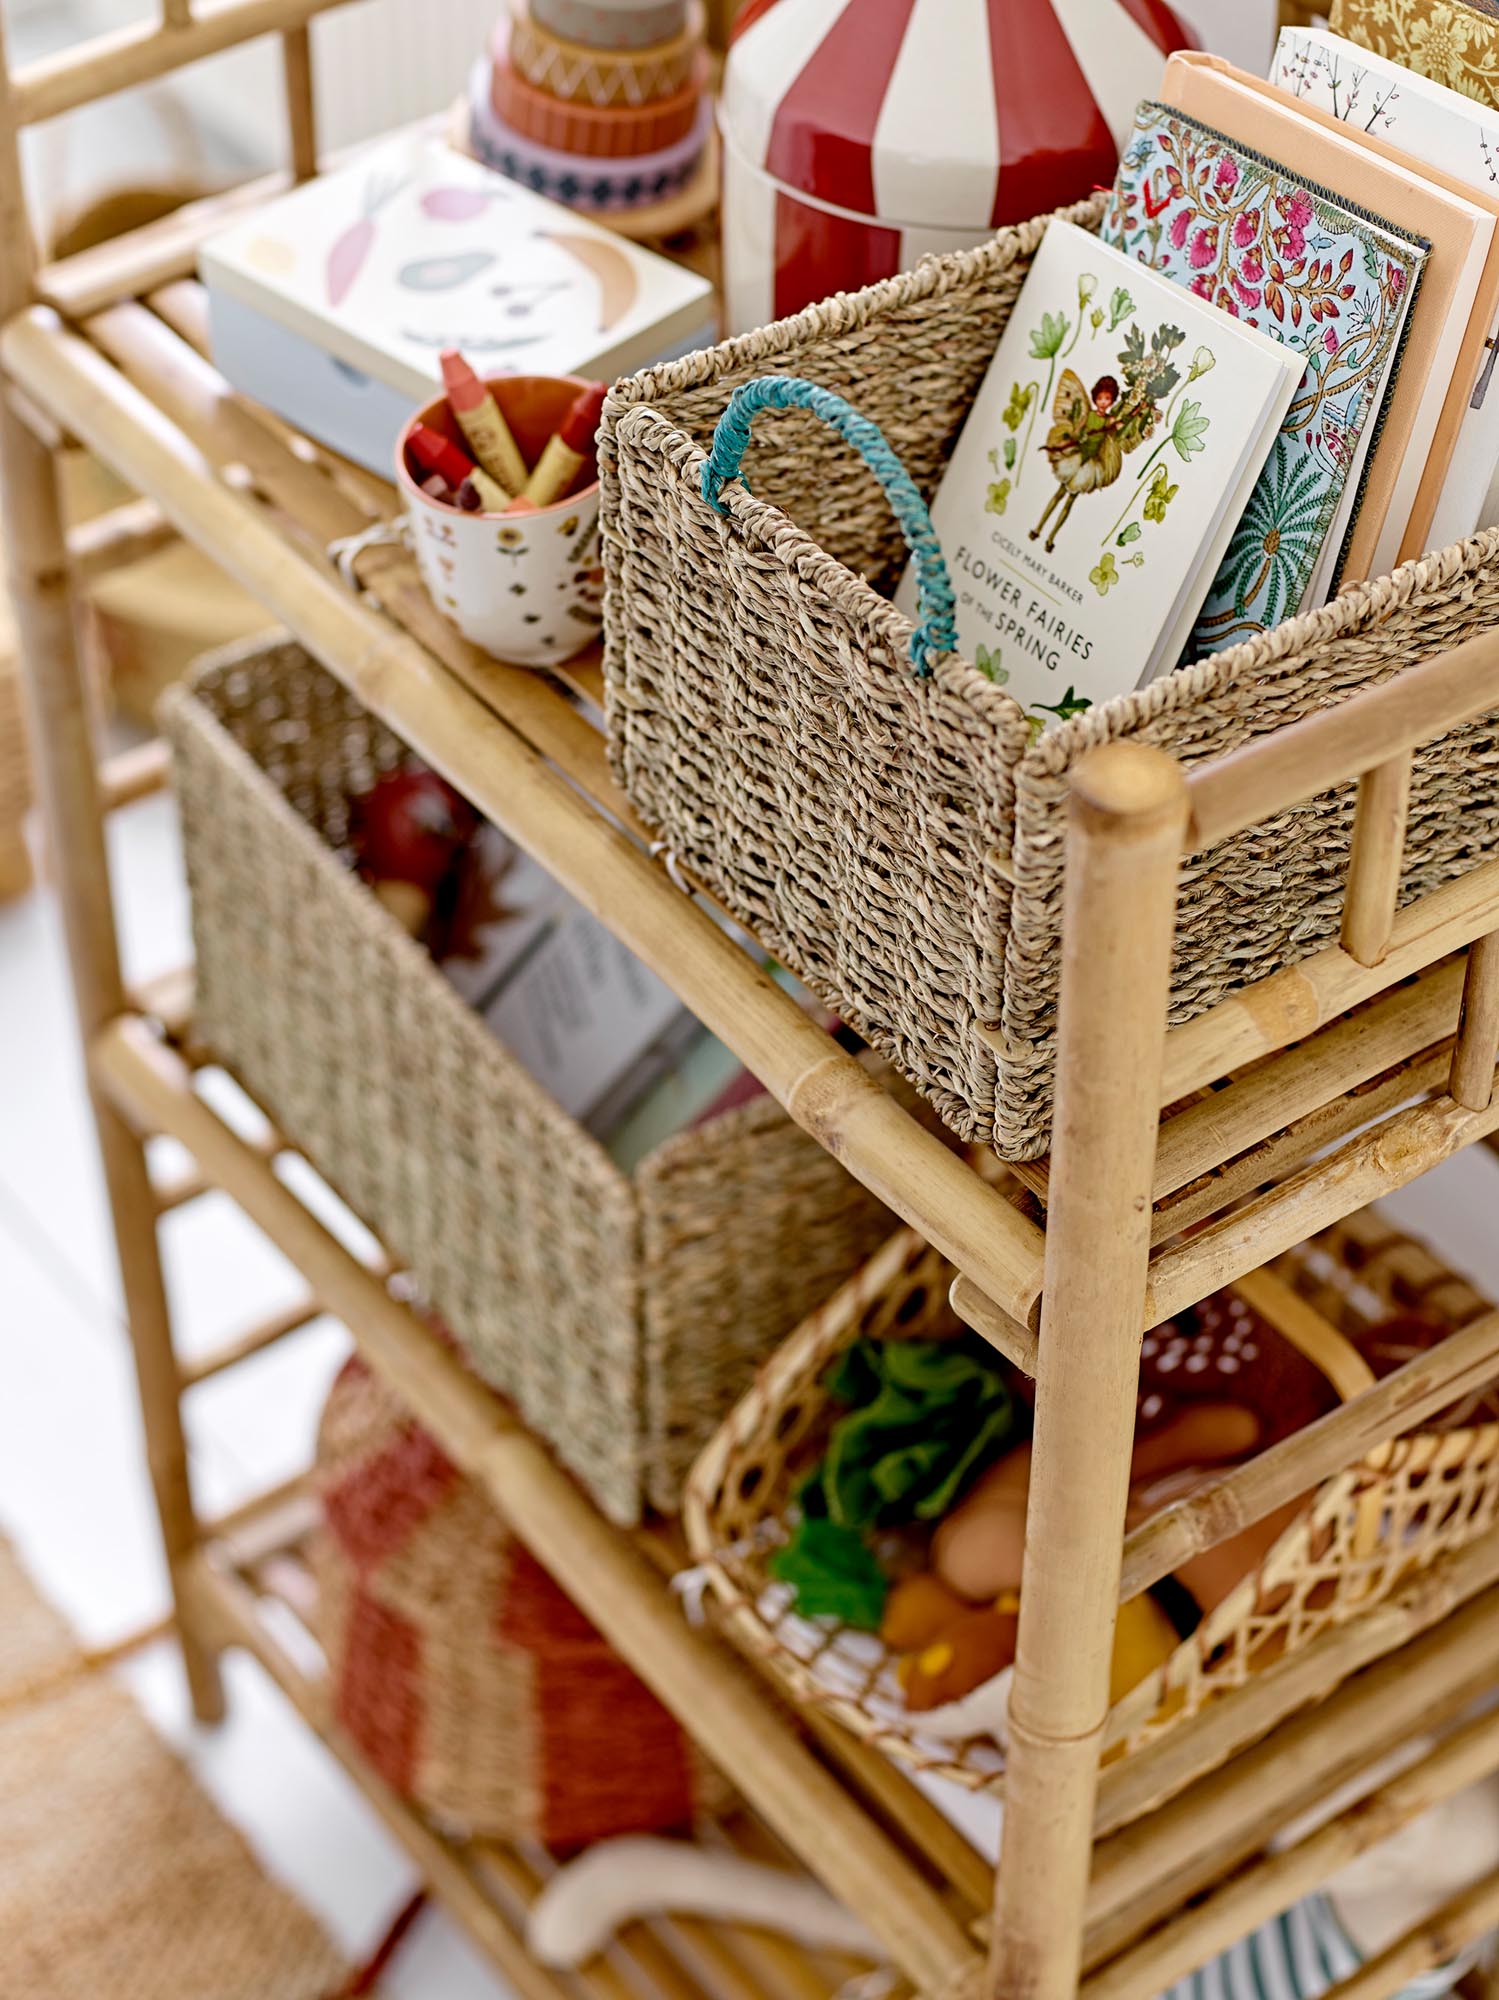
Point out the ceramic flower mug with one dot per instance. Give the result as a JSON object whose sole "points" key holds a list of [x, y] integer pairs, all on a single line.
{"points": [[527, 588]]}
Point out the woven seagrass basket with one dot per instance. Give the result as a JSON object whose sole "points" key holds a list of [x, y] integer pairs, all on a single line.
{"points": [[621, 1314], [898, 842], [1384, 1297], [469, 1679]]}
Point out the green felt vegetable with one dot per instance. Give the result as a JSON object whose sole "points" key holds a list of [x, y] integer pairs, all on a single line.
{"points": [[925, 1418], [834, 1573]]}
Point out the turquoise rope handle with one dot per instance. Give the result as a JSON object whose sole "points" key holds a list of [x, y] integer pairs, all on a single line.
{"points": [[936, 633]]}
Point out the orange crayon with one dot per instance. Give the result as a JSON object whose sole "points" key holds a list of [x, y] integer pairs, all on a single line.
{"points": [[479, 419], [567, 452]]}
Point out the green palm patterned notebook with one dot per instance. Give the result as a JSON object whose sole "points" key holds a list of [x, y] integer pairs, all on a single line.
{"points": [[1331, 282]]}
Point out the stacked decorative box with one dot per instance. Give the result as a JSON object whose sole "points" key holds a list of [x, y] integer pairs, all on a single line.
{"points": [[598, 103]]}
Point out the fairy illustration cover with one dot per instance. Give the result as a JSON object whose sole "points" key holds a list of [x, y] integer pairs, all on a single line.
{"points": [[1332, 283], [1111, 448]]}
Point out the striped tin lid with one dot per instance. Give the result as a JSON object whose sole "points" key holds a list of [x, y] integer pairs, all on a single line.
{"points": [[942, 113]]}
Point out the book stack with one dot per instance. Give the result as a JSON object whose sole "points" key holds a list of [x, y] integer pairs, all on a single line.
{"points": [[600, 104], [1139, 485]]}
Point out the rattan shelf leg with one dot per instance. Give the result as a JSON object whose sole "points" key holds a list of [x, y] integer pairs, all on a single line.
{"points": [[1128, 815], [15, 862], [1473, 1056], [64, 753]]}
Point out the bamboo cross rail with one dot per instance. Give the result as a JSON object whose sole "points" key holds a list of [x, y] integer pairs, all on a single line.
{"points": [[1286, 1105], [612, 1584]]}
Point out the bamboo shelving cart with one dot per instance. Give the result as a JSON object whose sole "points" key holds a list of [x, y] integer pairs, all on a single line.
{"points": [[1316, 1112]]}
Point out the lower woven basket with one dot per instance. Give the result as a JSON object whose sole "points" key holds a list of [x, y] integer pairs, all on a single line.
{"points": [[1384, 1298], [896, 841], [467, 1677], [622, 1314]]}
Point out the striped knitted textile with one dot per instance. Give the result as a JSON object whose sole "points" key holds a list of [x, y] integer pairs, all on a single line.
{"points": [[467, 1677], [1299, 1955]]}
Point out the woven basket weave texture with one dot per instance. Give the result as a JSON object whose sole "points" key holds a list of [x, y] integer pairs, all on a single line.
{"points": [[467, 1677], [899, 842], [1363, 1533], [622, 1315]]}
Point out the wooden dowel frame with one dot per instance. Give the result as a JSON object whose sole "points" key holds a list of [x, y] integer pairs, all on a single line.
{"points": [[824, 1089], [1375, 859], [1148, 1869], [1375, 1163], [1290, 1149], [612, 1582], [254, 1340], [1294, 763], [1284, 1088], [149, 49], [113, 540], [134, 774], [1150, 1777], [1229, 1913], [1295, 1002], [1464, 1361], [1477, 1046], [1126, 814], [1436, 1940]]}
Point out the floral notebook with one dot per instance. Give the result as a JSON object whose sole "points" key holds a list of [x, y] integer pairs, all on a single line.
{"points": [[1451, 43], [1334, 284], [1112, 446]]}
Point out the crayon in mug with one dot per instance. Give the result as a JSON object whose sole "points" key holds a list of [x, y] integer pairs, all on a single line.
{"points": [[567, 452], [435, 453], [479, 419], [479, 494]]}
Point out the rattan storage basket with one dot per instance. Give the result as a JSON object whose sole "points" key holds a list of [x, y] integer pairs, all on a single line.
{"points": [[898, 842], [1353, 1542], [621, 1314]]}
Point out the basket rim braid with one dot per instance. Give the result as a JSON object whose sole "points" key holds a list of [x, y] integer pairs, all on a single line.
{"points": [[620, 1311], [898, 843], [1356, 1538]]}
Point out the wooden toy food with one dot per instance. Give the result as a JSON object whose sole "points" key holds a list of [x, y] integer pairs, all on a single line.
{"points": [[979, 1549], [975, 1647], [958, 1650], [1144, 1639], [918, 1610], [408, 830]]}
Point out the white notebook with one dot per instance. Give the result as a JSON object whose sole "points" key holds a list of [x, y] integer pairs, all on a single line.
{"points": [[1444, 129], [1110, 452]]}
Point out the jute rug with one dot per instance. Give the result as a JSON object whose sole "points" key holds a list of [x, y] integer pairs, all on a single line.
{"points": [[119, 1879]]}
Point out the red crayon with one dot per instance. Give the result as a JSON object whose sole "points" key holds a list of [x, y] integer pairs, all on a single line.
{"points": [[435, 453], [567, 452]]}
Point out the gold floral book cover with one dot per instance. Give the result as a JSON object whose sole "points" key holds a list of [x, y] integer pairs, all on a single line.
{"points": [[1112, 448], [1445, 40], [1320, 275]]}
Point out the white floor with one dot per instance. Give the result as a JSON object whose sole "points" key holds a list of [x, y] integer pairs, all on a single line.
{"points": [[73, 1492], [73, 1489]]}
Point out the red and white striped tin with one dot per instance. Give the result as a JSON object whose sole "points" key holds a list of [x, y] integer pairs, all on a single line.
{"points": [[861, 134]]}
